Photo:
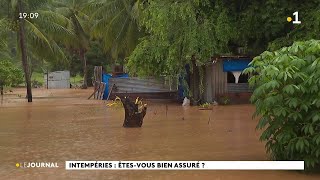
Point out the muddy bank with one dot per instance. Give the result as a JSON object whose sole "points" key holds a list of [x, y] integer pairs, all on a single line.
{"points": [[63, 125]]}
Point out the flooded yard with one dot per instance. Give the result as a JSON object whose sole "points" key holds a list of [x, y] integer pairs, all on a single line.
{"points": [[62, 125]]}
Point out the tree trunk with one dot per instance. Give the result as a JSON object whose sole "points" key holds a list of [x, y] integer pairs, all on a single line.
{"points": [[133, 118], [195, 82], [22, 45], [85, 70]]}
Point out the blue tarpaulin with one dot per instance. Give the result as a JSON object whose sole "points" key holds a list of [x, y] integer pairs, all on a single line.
{"points": [[105, 79], [235, 64]]}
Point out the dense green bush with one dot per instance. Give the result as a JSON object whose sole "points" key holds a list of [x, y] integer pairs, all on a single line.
{"points": [[10, 75], [287, 100]]}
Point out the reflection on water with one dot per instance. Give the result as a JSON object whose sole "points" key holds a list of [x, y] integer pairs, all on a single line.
{"points": [[61, 129]]}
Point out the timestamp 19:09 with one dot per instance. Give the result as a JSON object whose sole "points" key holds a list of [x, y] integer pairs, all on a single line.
{"points": [[28, 15]]}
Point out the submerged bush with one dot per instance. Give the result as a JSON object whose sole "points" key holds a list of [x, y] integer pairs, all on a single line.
{"points": [[10, 75], [287, 100]]}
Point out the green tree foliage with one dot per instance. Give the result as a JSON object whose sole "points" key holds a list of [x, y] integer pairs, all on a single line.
{"points": [[4, 49], [287, 100], [80, 25], [262, 25], [178, 30], [171, 32], [115, 24], [38, 38], [10, 75], [43, 34], [95, 56]]}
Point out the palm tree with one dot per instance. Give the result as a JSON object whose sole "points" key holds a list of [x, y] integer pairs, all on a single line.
{"points": [[22, 43], [73, 10], [38, 37], [115, 23]]}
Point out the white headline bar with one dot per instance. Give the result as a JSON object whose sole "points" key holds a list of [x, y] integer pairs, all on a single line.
{"points": [[184, 165]]}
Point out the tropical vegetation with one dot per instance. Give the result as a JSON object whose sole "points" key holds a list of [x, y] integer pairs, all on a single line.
{"points": [[287, 99], [9, 74], [150, 38]]}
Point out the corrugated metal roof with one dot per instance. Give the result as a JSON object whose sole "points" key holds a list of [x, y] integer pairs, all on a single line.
{"points": [[134, 85]]}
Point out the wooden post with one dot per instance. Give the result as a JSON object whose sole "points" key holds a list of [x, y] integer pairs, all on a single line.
{"points": [[47, 79], [98, 73], [102, 87], [96, 89], [97, 79], [110, 91], [94, 92], [99, 91]]}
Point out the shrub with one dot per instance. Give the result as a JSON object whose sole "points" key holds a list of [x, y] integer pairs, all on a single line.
{"points": [[10, 75], [36, 84], [287, 100], [224, 100]]}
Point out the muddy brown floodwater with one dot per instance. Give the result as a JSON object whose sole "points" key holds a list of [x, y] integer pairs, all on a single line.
{"points": [[63, 125]]}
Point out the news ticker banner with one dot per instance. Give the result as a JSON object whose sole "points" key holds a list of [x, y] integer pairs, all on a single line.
{"points": [[184, 165]]}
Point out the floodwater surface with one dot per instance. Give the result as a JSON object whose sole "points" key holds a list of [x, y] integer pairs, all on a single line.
{"points": [[62, 125]]}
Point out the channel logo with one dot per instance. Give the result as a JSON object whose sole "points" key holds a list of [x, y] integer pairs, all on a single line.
{"points": [[37, 165]]}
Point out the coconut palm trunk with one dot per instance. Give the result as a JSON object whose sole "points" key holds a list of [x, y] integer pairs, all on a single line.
{"points": [[23, 49], [85, 70]]}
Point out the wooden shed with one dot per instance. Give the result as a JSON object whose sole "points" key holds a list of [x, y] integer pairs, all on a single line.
{"points": [[224, 79]]}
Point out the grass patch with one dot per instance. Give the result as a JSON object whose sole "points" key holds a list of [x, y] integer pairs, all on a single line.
{"points": [[36, 76]]}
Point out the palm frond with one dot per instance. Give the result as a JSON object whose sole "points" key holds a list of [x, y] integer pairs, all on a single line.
{"points": [[50, 16], [108, 30], [64, 11], [37, 34], [104, 9], [32, 5], [115, 21], [61, 33]]}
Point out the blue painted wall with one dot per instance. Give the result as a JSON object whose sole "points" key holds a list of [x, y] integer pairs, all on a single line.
{"points": [[105, 79]]}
